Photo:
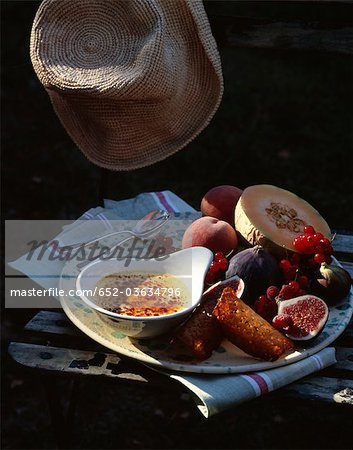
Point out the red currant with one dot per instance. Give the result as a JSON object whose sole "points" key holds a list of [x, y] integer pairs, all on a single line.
{"points": [[329, 250], [308, 244], [265, 307], [309, 240], [214, 267], [282, 322], [272, 292], [296, 259], [308, 229], [303, 282], [320, 258], [325, 243], [317, 237], [223, 263], [294, 285], [263, 299], [218, 256], [285, 264], [290, 273], [299, 243], [287, 292], [210, 277], [260, 305]]}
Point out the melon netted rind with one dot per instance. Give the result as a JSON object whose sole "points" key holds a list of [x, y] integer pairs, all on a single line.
{"points": [[254, 226]]}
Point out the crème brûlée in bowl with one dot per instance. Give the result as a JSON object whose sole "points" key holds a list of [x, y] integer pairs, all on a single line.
{"points": [[146, 297]]}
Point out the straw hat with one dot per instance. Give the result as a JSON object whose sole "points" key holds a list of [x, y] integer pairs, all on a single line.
{"points": [[132, 81]]}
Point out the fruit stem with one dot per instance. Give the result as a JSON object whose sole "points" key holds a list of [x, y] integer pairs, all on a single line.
{"points": [[297, 272], [278, 299]]}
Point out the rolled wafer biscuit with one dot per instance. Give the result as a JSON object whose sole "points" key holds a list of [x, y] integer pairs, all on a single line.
{"points": [[247, 330]]}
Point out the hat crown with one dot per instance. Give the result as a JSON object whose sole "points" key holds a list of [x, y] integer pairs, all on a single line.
{"points": [[107, 47]]}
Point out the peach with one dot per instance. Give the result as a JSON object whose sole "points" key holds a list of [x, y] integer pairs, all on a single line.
{"points": [[220, 202], [212, 233]]}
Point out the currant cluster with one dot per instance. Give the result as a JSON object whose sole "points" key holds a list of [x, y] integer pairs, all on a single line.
{"points": [[294, 288], [266, 305], [313, 243], [293, 270], [297, 285], [218, 266]]}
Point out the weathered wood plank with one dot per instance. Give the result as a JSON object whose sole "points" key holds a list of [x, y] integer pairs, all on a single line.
{"points": [[64, 359], [264, 33], [75, 361], [344, 396], [323, 389], [343, 243], [52, 322], [54, 359]]}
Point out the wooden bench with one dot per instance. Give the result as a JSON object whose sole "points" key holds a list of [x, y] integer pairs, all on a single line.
{"points": [[51, 345]]}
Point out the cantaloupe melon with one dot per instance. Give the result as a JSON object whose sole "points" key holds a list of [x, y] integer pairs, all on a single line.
{"points": [[272, 217]]}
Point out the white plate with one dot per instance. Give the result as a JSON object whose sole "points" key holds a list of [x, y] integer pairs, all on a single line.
{"points": [[156, 351]]}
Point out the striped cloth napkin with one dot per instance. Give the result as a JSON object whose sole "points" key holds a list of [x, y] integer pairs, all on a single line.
{"points": [[216, 393], [212, 393]]}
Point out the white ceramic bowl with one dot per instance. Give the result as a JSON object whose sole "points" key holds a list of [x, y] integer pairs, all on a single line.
{"points": [[191, 263]]}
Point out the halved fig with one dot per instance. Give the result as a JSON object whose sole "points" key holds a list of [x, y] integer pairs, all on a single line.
{"points": [[303, 316]]}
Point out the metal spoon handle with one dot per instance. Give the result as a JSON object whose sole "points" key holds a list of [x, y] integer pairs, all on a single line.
{"points": [[98, 238], [84, 263], [159, 222]]}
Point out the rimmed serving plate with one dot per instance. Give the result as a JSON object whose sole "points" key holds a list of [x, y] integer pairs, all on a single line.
{"points": [[157, 351]]}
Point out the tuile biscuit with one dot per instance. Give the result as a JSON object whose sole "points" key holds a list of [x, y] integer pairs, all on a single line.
{"points": [[247, 330]]}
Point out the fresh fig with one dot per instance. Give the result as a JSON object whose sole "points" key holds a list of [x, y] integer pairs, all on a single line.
{"points": [[258, 268], [333, 285], [304, 317]]}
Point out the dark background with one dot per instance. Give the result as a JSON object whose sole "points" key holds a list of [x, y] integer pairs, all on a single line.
{"points": [[285, 119]]}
